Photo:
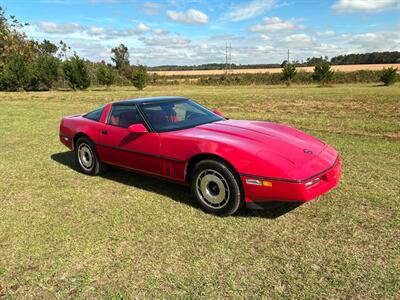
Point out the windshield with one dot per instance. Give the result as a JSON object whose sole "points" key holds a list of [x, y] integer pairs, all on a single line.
{"points": [[178, 114]]}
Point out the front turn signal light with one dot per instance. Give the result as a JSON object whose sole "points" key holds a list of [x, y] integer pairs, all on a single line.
{"points": [[267, 183]]}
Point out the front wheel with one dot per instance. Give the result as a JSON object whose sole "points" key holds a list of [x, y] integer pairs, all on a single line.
{"points": [[87, 158], [216, 187]]}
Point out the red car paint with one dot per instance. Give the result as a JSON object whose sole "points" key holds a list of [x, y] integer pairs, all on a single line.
{"points": [[298, 166]]}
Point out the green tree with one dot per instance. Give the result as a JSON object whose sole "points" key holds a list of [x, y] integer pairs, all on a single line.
{"points": [[47, 47], [120, 56], [105, 75], [13, 40], [24, 64], [47, 71], [17, 74], [288, 73], [323, 73], [139, 77], [389, 76], [76, 73], [31, 74]]}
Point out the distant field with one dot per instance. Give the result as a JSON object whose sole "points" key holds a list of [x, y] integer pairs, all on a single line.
{"points": [[344, 68], [66, 235]]}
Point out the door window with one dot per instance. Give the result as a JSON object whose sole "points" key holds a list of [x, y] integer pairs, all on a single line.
{"points": [[124, 116]]}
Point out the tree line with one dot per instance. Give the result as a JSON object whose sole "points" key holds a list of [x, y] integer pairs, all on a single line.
{"points": [[391, 57], [212, 66], [29, 65], [322, 74]]}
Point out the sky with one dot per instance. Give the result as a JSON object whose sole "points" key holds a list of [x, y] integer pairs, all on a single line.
{"points": [[191, 32]]}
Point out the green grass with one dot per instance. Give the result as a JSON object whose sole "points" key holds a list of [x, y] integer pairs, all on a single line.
{"points": [[67, 235]]}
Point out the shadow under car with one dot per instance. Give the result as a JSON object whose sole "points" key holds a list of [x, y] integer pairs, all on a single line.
{"points": [[176, 192]]}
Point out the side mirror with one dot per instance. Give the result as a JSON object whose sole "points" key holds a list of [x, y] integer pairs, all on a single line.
{"points": [[217, 112], [137, 128]]}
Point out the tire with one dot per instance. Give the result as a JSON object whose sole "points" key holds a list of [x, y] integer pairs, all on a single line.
{"points": [[216, 187], [87, 157]]}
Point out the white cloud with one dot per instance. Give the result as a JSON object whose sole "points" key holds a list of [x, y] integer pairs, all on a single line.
{"points": [[166, 41], [370, 6], [244, 11], [376, 40], [265, 48], [51, 27], [300, 38], [160, 31], [327, 33], [264, 37], [225, 37], [141, 27], [191, 16], [273, 24], [365, 38], [107, 33], [95, 32], [328, 49], [90, 50]]}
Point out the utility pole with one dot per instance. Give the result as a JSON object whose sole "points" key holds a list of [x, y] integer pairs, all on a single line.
{"points": [[288, 56], [228, 58]]}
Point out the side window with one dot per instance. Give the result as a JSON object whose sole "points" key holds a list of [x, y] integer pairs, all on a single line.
{"points": [[94, 115], [124, 116]]}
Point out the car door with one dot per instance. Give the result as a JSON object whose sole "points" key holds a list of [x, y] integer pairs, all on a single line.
{"points": [[117, 146]]}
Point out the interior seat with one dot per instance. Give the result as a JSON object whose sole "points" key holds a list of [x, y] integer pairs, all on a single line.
{"points": [[127, 119], [114, 120], [158, 117]]}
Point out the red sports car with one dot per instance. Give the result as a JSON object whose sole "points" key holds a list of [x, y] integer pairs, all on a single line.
{"points": [[226, 162]]}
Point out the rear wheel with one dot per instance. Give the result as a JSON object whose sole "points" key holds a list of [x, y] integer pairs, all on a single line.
{"points": [[216, 187], [87, 157]]}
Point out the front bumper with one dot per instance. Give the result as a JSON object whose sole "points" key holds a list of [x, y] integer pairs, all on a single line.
{"points": [[291, 190]]}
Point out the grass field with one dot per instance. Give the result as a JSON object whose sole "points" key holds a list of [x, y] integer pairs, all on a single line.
{"points": [[67, 235], [341, 68]]}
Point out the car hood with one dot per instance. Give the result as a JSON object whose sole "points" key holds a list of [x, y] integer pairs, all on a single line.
{"points": [[273, 142], [258, 137]]}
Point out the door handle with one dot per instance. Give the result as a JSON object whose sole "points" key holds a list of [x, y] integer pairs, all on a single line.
{"points": [[104, 132]]}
